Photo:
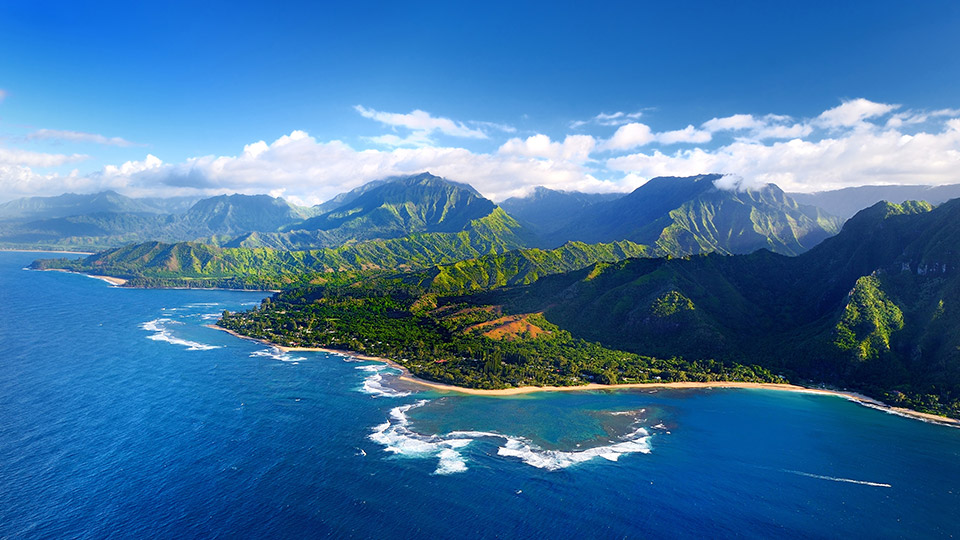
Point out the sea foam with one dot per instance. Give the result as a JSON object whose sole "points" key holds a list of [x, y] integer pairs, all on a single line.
{"points": [[276, 354], [397, 437], [373, 383], [162, 333]]}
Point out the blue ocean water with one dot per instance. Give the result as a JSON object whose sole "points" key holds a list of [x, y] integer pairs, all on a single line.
{"points": [[122, 415]]}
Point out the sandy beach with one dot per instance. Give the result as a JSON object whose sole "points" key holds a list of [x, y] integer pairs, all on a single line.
{"points": [[109, 279], [411, 378]]}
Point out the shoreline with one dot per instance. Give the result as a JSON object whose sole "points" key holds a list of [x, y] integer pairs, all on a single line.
{"points": [[115, 281], [48, 251], [409, 377], [119, 282]]}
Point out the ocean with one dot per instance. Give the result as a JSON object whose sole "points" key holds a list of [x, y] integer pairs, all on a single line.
{"points": [[122, 415]]}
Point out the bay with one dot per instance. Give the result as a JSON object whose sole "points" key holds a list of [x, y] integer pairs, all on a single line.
{"points": [[122, 415]]}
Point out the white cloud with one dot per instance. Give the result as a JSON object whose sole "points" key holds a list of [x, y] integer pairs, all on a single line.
{"points": [[608, 119], [37, 159], [574, 148], [859, 157], [3, 95], [733, 123], [782, 131], [688, 134], [129, 168], [630, 136], [852, 113], [422, 121], [310, 171], [862, 147], [77, 136]]}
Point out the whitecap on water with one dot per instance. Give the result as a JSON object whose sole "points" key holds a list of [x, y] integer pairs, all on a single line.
{"points": [[162, 333], [637, 441], [396, 436], [373, 383], [277, 354]]}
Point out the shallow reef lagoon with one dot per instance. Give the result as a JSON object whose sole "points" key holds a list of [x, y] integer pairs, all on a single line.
{"points": [[122, 415]]}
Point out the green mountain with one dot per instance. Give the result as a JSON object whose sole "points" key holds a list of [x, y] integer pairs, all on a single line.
{"points": [[547, 210], [391, 208], [521, 266], [691, 215], [345, 198], [205, 265], [872, 308]]}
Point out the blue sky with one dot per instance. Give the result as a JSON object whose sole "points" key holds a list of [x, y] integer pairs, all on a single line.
{"points": [[164, 99]]}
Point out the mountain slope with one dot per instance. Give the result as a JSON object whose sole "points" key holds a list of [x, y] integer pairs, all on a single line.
{"points": [[690, 215], [873, 308], [204, 265]]}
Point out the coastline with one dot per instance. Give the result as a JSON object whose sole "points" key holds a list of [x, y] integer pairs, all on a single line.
{"points": [[115, 281], [119, 282], [48, 251], [409, 377]]}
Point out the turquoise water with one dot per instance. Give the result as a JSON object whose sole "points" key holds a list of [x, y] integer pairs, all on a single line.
{"points": [[121, 415]]}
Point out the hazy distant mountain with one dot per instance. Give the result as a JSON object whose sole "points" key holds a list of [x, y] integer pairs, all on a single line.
{"points": [[691, 215], [846, 202], [546, 210], [238, 214], [169, 205], [108, 219], [72, 204]]}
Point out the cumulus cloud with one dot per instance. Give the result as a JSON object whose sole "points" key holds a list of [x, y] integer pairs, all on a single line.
{"points": [[856, 143], [859, 157], [733, 123], [747, 126], [852, 113], [630, 136], [574, 148], [311, 171], [422, 121], [688, 134], [77, 136]]}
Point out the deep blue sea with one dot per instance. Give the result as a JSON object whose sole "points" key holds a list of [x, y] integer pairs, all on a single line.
{"points": [[122, 415]]}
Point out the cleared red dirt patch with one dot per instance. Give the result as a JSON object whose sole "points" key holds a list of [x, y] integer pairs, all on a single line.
{"points": [[509, 328]]}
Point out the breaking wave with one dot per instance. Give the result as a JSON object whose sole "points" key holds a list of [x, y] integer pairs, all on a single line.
{"points": [[396, 436], [373, 384], [162, 333], [276, 354], [637, 441]]}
